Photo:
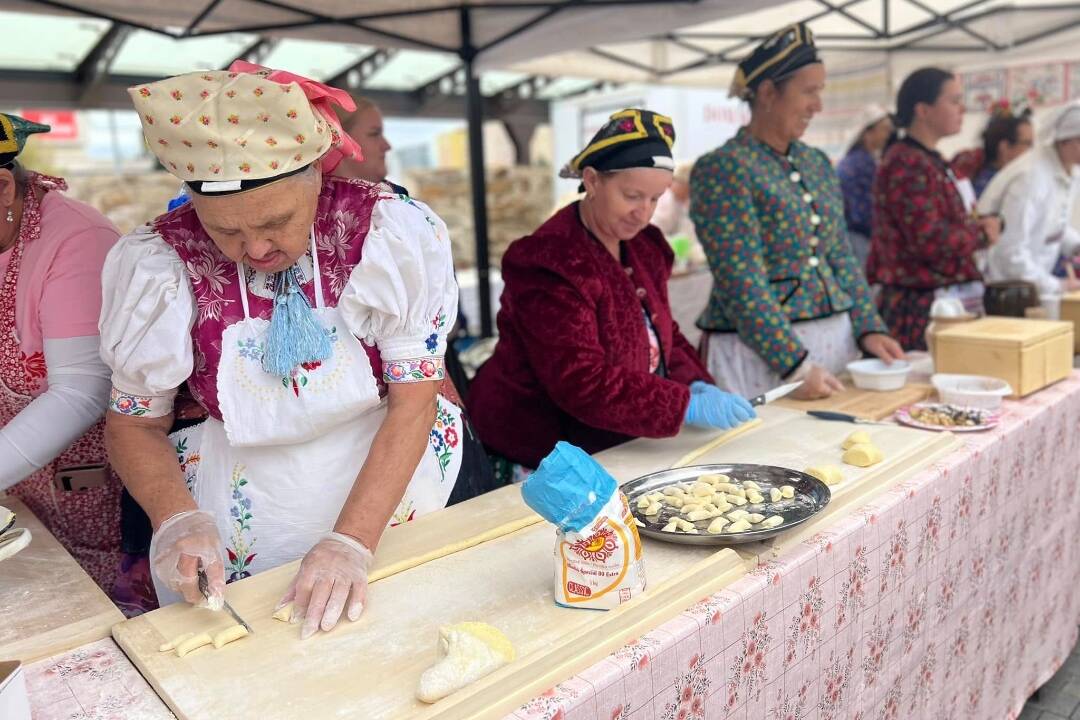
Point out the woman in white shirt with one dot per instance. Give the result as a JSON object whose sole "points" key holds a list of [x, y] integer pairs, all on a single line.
{"points": [[1035, 195]]}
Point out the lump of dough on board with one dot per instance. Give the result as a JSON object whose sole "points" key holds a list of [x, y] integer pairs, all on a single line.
{"points": [[828, 474], [467, 652], [858, 437], [862, 455], [171, 644], [192, 644]]}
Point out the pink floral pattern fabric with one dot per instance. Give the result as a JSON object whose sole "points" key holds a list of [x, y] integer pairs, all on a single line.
{"points": [[906, 609]]}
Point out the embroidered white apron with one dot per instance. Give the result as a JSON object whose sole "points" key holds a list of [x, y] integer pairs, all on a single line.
{"points": [[278, 467]]}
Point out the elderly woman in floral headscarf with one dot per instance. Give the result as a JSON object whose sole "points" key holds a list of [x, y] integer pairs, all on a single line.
{"points": [[55, 386], [308, 315]]}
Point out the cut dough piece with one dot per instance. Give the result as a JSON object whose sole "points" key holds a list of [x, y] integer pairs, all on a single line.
{"points": [[717, 526], [735, 515], [700, 489], [670, 527], [226, 636], [672, 491], [684, 525], [859, 437], [699, 515], [771, 522], [737, 526], [637, 522], [788, 491], [193, 643], [171, 644], [654, 509], [863, 455], [643, 502], [283, 613], [689, 508], [736, 500], [828, 474], [754, 497], [755, 518], [728, 487], [723, 506], [776, 495], [467, 652], [674, 501], [750, 485]]}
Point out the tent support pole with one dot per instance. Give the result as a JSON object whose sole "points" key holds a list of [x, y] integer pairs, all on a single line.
{"points": [[474, 106]]}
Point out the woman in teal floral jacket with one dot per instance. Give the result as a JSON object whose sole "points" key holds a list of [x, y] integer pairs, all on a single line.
{"points": [[789, 301]]}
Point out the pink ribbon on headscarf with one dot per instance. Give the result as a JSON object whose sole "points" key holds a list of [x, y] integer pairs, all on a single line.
{"points": [[322, 97]]}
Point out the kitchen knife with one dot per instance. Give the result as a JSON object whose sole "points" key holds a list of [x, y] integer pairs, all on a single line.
{"points": [[776, 393], [204, 588], [842, 417]]}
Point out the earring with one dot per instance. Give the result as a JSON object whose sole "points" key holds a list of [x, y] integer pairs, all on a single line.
{"points": [[10, 216]]}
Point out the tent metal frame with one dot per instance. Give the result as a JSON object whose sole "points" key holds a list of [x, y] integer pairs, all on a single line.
{"points": [[879, 39]]}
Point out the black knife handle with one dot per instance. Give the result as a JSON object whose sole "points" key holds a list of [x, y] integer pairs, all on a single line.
{"points": [[830, 415]]}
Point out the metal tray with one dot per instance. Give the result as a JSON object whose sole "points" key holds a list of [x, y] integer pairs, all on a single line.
{"points": [[811, 497]]}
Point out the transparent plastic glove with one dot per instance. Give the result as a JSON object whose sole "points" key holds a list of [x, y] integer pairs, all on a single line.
{"points": [[712, 407], [182, 545], [332, 578]]}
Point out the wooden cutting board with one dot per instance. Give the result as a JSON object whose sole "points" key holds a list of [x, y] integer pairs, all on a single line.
{"points": [[370, 669], [48, 604], [868, 404]]}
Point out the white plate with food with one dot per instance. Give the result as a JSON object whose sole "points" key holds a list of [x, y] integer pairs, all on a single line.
{"points": [[729, 503], [943, 416]]}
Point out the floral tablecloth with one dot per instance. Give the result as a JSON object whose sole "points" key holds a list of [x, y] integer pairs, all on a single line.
{"points": [[954, 595]]}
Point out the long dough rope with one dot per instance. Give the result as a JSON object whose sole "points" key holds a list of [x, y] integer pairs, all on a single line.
{"points": [[708, 447]]}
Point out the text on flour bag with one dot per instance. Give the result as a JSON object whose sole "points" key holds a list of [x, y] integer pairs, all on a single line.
{"points": [[598, 561]]}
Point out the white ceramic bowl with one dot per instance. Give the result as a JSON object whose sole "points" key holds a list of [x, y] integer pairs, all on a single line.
{"points": [[876, 375], [976, 391]]}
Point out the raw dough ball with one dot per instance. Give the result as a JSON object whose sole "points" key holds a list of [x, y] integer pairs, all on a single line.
{"points": [[787, 491], [859, 437], [192, 644], [828, 474], [226, 636], [738, 526], [467, 652], [863, 455], [717, 526], [171, 644]]}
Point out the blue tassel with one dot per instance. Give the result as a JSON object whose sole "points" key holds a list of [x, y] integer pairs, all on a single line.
{"points": [[295, 335]]}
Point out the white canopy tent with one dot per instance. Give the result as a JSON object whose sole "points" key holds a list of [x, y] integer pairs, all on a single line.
{"points": [[482, 34]]}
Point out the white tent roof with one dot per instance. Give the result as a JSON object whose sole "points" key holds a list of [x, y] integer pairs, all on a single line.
{"points": [[852, 33]]}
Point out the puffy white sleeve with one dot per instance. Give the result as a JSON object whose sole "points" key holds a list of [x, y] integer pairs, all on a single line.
{"points": [[147, 311], [402, 296]]}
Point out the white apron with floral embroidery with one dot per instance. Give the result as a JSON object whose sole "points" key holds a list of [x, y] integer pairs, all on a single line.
{"points": [[277, 469]]}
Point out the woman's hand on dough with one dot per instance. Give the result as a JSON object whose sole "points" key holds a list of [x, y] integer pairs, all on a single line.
{"points": [[332, 578], [184, 544]]}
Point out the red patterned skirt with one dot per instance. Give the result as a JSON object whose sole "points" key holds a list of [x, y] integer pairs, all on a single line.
{"points": [[907, 313]]}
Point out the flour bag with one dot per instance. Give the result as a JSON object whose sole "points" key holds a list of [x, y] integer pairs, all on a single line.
{"points": [[598, 561]]}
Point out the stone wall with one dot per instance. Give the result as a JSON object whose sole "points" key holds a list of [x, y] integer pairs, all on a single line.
{"points": [[519, 200]]}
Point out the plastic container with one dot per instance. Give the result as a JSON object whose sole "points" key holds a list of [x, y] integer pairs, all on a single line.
{"points": [[977, 391], [876, 375], [14, 701]]}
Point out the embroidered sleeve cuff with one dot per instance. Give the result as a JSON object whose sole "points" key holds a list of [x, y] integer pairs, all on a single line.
{"points": [[412, 370], [148, 406], [408, 347]]}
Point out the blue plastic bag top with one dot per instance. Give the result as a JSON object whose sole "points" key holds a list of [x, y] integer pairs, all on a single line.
{"points": [[569, 488]]}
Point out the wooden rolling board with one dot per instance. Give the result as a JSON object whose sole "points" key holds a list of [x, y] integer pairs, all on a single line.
{"points": [[869, 404], [370, 669], [48, 604]]}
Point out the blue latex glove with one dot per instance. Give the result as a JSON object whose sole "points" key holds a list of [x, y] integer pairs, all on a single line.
{"points": [[712, 407]]}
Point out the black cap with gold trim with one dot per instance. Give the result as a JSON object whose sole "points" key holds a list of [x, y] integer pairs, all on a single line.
{"points": [[631, 138], [778, 56], [13, 133]]}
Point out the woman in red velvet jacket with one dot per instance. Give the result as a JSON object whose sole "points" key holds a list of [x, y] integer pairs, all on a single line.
{"points": [[588, 351]]}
